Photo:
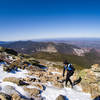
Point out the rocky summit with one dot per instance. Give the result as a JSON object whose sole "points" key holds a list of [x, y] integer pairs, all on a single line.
{"points": [[26, 78]]}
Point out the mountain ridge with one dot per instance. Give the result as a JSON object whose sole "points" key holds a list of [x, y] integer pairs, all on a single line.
{"points": [[29, 47]]}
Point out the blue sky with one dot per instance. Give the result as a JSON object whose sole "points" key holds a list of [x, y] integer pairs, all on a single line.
{"points": [[33, 19]]}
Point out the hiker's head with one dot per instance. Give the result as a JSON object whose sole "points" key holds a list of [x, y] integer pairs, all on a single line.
{"points": [[66, 62]]}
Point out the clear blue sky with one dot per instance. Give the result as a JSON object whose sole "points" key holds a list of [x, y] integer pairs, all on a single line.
{"points": [[32, 19]]}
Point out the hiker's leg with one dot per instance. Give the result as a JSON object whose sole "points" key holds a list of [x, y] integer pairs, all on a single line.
{"points": [[70, 82], [71, 73], [77, 81], [67, 77]]}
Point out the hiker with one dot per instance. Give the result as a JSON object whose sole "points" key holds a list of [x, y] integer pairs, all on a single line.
{"points": [[70, 71]]}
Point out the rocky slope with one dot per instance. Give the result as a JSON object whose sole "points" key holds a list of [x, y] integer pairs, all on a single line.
{"points": [[25, 78], [90, 80]]}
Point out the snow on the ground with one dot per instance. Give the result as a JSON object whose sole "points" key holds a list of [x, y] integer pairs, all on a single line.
{"points": [[17, 88], [18, 74], [51, 93], [55, 72]]}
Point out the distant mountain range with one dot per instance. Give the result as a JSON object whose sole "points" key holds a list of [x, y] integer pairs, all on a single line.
{"points": [[88, 43], [55, 51], [81, 42], [30, 47]]}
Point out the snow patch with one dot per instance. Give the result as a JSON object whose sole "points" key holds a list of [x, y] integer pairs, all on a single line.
{"points": [[51, 93], [18, 74], [55, 72], [80, 52], [18, 89]]}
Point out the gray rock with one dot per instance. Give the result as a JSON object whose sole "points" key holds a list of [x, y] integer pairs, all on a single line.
{"points": [[9, 89], [61, 97], [4, 96]]}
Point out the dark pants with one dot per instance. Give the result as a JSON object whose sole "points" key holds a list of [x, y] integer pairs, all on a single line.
{"points": [[69, 74]]}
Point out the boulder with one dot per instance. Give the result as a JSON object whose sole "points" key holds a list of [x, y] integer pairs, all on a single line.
{"points": [[95, 91], [9, 89], [4, 96], [33, 79], [28, 79], [58, 85], [6, 68], [39, 86], [90, 80], [61, 97], [95, 68], [43, 80], [15, 80], [32, 91], [17, 97], [50, 73], [12, 79]]}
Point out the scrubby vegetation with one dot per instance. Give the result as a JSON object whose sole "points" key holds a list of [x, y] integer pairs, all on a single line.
{"points": [[11, 51], [31, 49], [82, 61]]}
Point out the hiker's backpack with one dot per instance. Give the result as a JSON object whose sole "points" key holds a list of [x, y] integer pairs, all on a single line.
{"points": [[70, 67]]}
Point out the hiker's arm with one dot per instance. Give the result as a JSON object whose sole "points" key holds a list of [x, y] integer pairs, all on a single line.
{"points": [[63, 71]]}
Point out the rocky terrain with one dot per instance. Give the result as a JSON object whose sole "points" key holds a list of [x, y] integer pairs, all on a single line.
{"points": [[26, 78]]}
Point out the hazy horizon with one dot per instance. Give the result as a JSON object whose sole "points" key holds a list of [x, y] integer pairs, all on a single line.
{"points": [[52, 39]]}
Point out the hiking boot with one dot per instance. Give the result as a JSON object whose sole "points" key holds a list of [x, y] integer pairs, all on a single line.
{"points": [[72, 86], [66, 85]]}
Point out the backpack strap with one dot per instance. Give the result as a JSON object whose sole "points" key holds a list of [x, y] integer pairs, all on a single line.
{"points": [[68, 67], [65, 67]]}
